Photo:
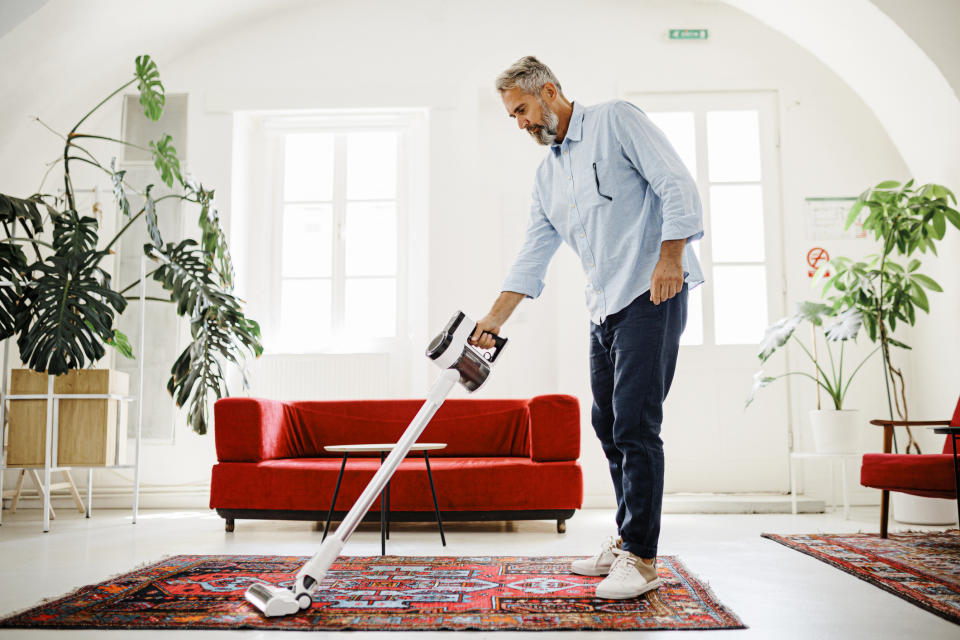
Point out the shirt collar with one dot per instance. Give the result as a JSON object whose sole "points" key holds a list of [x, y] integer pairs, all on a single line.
{"points": [[574, 128]]}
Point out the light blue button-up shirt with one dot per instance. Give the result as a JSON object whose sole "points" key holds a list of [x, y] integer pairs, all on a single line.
{"points": [[613, 190]]}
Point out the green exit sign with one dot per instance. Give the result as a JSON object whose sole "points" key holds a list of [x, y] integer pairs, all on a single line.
{"points": [[688, 34]]}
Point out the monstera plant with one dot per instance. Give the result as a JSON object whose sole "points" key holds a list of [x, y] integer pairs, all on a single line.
{"points": [[59, 300]]}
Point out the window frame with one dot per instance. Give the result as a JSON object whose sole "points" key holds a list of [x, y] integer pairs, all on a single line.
{"points": [[766, 105], [275, 128]]}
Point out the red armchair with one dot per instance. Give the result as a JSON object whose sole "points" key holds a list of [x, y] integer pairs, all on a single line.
{"points": [[928, 475]]}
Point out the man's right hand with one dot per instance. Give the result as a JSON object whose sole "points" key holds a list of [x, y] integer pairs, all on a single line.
{"points": [[481, 338], [491, 323]]}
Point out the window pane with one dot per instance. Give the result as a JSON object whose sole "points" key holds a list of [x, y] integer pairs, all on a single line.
{"points": [[740, 303], [371, 239], [693, 334], [307, 241], [733, 146], [679, 128], [372, 165], [308, 167], [305, 319], [371, 308], [736, 223]]}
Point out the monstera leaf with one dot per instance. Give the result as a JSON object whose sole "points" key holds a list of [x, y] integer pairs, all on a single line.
{"points": [[150, 212], [73, 235], [26, 211], [165, 160], [220, 331], [13, 266], [213, 239], [152, 96], [66, 313], [119, 193]]}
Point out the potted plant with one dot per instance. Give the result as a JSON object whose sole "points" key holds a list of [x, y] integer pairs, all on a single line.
{"points": [[61, 303], [887, 287], [834, 429]]}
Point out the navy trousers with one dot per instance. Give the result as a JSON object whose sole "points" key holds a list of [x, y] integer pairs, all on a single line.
{"points": [[633, 355]]}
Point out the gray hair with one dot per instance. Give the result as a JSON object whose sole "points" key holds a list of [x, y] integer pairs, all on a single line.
{"points": [[529, 74]]}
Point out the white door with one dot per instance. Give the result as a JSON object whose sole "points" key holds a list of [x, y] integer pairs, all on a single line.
{"points": [[729, 141]]}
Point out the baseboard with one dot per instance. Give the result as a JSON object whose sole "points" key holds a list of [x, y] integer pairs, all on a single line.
{"points": [[719, 503], [121, 498]]}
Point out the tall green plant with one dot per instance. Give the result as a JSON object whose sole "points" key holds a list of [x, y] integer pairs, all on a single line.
{"points": [[61, 303], [888, 292]]}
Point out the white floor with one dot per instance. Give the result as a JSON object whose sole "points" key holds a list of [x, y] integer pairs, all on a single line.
{"points": [[777, 592]]}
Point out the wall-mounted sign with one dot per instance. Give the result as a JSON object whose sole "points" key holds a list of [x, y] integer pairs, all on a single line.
{"points": [[826, 219], [817, 257], [688, 34]]}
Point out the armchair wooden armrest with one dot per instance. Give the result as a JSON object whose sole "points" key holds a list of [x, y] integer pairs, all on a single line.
{"points": [[888, 426], [911, 423]]}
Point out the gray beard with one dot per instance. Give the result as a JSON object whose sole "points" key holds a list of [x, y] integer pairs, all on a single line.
{"points": [[545, 134]]}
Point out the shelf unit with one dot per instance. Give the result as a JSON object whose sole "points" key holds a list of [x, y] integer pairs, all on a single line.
{"points": [[50, 463]]}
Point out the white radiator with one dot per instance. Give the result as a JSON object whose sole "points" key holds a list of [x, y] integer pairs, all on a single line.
{"points": [[322, 377]]}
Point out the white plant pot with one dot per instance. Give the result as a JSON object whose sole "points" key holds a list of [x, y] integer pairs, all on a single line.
{"points": [[910, 509], [835, 431]]}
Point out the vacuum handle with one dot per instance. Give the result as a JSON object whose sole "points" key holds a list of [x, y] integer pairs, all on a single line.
{"points": [[498, 345]]}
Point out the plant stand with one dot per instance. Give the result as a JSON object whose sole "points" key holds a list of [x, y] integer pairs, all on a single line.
{"points": [[50, 463], [15, 494], [833, 458]]}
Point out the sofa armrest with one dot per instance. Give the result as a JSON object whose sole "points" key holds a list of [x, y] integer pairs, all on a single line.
{"points": [[249, 429], [554, 428]]}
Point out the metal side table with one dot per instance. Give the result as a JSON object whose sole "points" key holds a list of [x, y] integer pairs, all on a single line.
{"points": [[383, 450]]}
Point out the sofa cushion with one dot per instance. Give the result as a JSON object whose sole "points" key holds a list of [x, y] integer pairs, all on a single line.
{"points": [[928, 475], [462, 484], [468, 427]]}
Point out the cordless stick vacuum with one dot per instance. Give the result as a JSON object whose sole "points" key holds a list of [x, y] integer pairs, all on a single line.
{"points": [[460, 362]]}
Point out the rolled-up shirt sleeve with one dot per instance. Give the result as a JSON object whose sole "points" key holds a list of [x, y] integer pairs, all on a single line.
{"points": [[530, 266], [654, 158]]}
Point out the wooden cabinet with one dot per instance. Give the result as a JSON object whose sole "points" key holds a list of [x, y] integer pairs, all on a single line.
{"points": [[87, 432]]}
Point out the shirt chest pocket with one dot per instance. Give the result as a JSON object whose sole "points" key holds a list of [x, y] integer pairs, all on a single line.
{"points": [[602, 180]]}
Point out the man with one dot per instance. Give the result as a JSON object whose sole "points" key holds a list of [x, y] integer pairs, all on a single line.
{"points": [[614, 189]]}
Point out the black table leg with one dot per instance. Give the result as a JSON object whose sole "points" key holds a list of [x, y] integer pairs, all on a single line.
{"points": [[956, 473], [326, 527], [388, 509], [436, 507], [383, 515]]}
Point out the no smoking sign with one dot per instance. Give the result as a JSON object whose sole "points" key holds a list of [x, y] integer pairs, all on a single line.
{"points": [[815, 258]]}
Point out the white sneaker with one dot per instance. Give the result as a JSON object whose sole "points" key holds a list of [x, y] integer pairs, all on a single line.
{"points": [[598, 565], [629, 577]]}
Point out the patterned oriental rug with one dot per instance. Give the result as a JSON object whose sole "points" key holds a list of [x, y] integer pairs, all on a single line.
{"points": [[381, 593], [921, 567]]}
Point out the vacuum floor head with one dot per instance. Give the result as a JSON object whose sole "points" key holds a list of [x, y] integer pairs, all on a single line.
{"points": [[275, 601]]}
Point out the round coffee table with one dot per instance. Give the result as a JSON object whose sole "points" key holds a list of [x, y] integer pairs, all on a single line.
{"points": [[383, 450]]}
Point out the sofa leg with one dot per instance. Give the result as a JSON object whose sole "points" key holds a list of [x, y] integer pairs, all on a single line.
{"points": [[561, 526], [228, 525], [884, 512]]}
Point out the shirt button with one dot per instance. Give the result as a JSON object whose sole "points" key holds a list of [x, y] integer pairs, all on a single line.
{"points": [[592, 265], [581, 235], [569, 177], [571, 206]]}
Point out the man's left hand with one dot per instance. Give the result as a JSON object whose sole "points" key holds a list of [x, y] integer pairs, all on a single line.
{"points": [[666, 282], [667, 278]]}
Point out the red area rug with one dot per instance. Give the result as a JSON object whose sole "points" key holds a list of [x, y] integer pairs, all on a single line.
{"points": [[920, 567], [381, 593]]}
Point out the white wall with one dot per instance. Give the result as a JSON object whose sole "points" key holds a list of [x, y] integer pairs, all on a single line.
{"points": [[443, 56]]}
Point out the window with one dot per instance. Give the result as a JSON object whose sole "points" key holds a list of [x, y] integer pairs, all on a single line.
{"points": [[729, 152], [339, 231]]}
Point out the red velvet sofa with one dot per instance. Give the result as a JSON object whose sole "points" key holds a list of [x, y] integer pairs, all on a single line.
{"points": [[504, 460]]}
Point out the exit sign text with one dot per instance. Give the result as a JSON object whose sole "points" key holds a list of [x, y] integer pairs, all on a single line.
{"points": [[688, 34]]}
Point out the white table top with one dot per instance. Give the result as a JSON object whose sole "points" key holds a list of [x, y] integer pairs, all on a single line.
{"points": [[420, 446]]}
